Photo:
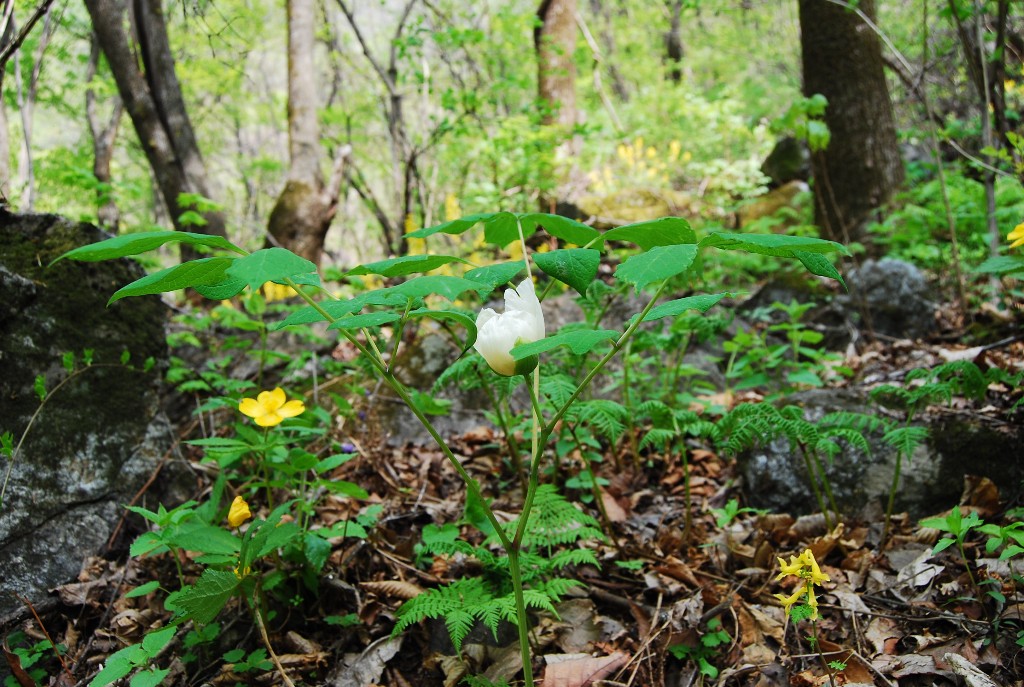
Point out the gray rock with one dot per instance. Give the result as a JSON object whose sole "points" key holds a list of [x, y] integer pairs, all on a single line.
{"points": [[775, 475], [892, 297], [100, 436]]}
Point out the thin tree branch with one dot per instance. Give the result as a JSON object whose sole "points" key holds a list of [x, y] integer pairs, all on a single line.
{"points": [[9, 49]]}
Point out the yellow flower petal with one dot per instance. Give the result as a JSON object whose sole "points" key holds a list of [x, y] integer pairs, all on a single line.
{"points": [[274, 399], [1017, 236], [291, 409], [788, 601], [269, 420], [239, 512], [816, 577], [250, 407]]}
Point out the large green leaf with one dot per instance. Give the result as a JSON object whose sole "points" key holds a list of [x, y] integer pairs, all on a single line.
{"points": [[579, 341], [449, 287], [818, 264], [204, 538], [133, 244], [503, 228], [407, 264], [779, 245], [576, 267], [192, 273], [204, 600], [656, 264], [309, 314], [370, 319], [702, 302], [666, 231], [562, 227], [498, 274], [1002, 264], [221, 290], [455, 226], [454, 316], [273, 264]]}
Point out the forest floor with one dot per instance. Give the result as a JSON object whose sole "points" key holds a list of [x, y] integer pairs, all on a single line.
{"points": [[676, 601]]}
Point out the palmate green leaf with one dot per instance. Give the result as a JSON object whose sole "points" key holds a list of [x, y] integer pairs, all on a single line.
{"points": [[498, 274], [119, 664], [205, 599], [568, 230], [273, 264], [455, 226], [309, 314], [405, 265], [134, 244], [656, 264], [221, 290], [702, 302], [449, 287], [580, 342], [503, 228], [199, 272], [779, 245], [576, 267], [666, 231], [370, 319]]}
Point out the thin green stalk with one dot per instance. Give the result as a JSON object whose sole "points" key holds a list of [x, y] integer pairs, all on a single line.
{"points": [[821, 656], [814, 486], [522, 620]]}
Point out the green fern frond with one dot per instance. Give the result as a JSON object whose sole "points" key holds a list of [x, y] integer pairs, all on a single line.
{"points": [[861, 422], [606, 416], [572, 557], [891, 396], [906, 439], [658, 437], [557, 388], [459, 622], [966, 374], [462, 372], [851, 437], [555, 521]]}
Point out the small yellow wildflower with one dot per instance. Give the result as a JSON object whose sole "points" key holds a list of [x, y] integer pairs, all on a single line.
{"points": [[1017, 236], [239, 512], [241, 573], [804, 567], [788, 601], [270, 408]]}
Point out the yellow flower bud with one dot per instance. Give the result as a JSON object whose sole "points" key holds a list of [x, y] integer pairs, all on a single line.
{"points": [[239, 512]]}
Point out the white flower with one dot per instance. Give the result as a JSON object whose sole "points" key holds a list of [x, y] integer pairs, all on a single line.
{"points": [[522, 322]]}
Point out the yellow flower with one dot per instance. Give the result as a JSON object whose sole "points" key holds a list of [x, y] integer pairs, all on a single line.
{"points": [[270, 408], [239, 512], [1017, 236], [816, 576], [793, 568], [788, 601], [241, 573]]}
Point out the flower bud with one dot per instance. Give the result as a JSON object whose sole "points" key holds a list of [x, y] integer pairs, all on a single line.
{"points": [[522, 322]]}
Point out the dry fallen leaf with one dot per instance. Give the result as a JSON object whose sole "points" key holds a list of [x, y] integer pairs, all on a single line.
{"points": [[580, 670]]}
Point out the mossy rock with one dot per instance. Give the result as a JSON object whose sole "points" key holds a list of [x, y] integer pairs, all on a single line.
{"points": [[98, 437], [636, 205]]}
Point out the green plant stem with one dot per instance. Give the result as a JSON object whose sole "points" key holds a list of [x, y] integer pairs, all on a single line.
{"points": [[892, 496], [821, 656], [522, 620], [258, 617], [814, 486], [627, 399], [510, 440], [399, 388]]}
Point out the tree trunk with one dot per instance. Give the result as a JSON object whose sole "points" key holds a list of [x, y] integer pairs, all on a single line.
{"points": [[154, 104], [861, 167], [103, 138], [555, 41], [304, 210], [674, 42]]}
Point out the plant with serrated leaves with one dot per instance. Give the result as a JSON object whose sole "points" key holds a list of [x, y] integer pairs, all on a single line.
{"points": [[667, 252], [555, 524], [753, 424], [957, 526]]}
